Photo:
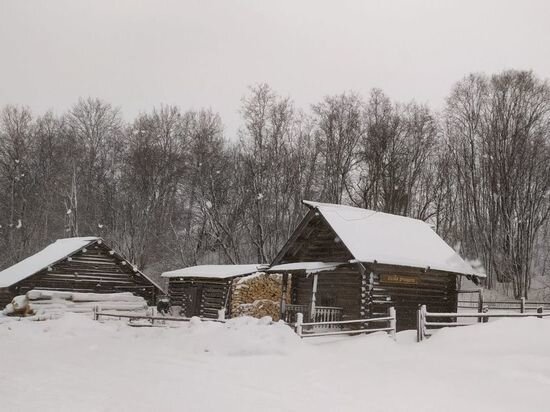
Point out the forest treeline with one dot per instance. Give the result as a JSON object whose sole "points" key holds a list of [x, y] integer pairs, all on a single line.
{"points": [[169, 189]]}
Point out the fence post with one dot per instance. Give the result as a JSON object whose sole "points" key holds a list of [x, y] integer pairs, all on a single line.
{"points": [[393, 322], [485, 310], [423, 311], [522, 305], [480, 306], [419, 327], [299, 321], [96, 312], [221, 314], [539, 310]]}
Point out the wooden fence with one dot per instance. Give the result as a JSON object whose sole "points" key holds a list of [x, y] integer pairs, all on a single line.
{"points": [[151, 317], [322, 313], [424, 323], [300, 325], [522, 305]]}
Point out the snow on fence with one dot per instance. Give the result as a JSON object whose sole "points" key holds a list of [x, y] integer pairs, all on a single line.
{"points": [[321, 314], [391, 320], [424, 322], [151, 317], [521, 305]]}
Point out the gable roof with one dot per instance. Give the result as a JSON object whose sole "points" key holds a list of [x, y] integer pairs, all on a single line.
{"points": [[391, 239], [215, 271], [48, 256]]}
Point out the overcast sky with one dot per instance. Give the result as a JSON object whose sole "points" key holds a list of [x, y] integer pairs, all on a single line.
{"points": [[139, 54]]}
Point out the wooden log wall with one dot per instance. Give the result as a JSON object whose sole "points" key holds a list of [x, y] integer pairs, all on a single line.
{"points": [[199, 296], [405, 289], [364, 291], [348, 288], [94, 269], [317, 242], [337, 288], [6, 296]]}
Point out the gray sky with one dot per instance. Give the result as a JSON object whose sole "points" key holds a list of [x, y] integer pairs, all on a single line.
{"points": [[139, 54]]}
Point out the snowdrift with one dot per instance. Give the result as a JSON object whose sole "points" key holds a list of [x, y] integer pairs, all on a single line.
{"points": [[252, 364], [50, 304]]}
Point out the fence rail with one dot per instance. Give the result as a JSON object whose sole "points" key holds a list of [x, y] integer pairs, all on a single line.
{"points": [[321, 314], [391, 319], [151, 317], [423, 316], [521, 304]]}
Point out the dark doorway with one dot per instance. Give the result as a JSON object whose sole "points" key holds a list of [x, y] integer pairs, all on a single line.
{"points": [[192, 297]]}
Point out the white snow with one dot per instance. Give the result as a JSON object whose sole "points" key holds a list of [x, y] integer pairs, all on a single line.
{"points": [[214, 271], [75, 363], [38, 294], [46, 304], [390, 239], [53, 253], [242, 281], [308, 267]]}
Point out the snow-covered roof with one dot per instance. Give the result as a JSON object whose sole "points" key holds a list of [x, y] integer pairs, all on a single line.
{"points": [[308, 267], [215, 271], [48, 256], [390, 239]]}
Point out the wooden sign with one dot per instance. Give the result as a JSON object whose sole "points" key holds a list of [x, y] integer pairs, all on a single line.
{"points": [[399, 279]]}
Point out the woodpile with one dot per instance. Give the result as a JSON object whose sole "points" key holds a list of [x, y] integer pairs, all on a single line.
{"points": [[257, 295], [48, 304]]}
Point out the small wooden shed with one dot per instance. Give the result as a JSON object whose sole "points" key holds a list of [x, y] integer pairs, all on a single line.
{"points": [[79, 264], [352, 263], [205, 289]]}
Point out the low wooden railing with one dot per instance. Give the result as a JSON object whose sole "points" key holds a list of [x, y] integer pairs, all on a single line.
{"points": [[522, 305], [390, 320], [151, 316], [322, 313], [424, 323], [481, 304]]}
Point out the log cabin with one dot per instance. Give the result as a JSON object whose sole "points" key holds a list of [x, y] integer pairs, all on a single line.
{"points": [[352, 263], [78, 264], [204, 290]]}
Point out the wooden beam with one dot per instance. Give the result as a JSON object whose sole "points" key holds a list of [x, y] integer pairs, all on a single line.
{"points": [[284, 288], [313, 298]]}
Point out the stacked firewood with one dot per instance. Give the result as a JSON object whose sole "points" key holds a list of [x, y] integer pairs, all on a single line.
{"points": [[257, 295], [51, 304]]}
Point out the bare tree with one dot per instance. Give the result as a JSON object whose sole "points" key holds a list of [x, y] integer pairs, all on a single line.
{"points": [[498, 132], [339, 128]]}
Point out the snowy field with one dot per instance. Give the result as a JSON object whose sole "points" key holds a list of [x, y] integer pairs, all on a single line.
{"points": [[76, 364]]}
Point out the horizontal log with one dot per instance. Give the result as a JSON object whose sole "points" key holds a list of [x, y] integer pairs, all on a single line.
{"points": [[444, 324], [345, 332], [135, 317], [486, 315], [344, 322]]}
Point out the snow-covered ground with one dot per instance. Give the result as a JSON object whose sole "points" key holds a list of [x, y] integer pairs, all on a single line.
{"points": [[76, 364]]}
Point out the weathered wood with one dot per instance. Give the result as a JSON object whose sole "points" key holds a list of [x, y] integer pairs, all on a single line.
{"points": [[284, 290], [362, 289], [200, 296], [92, 270]]}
